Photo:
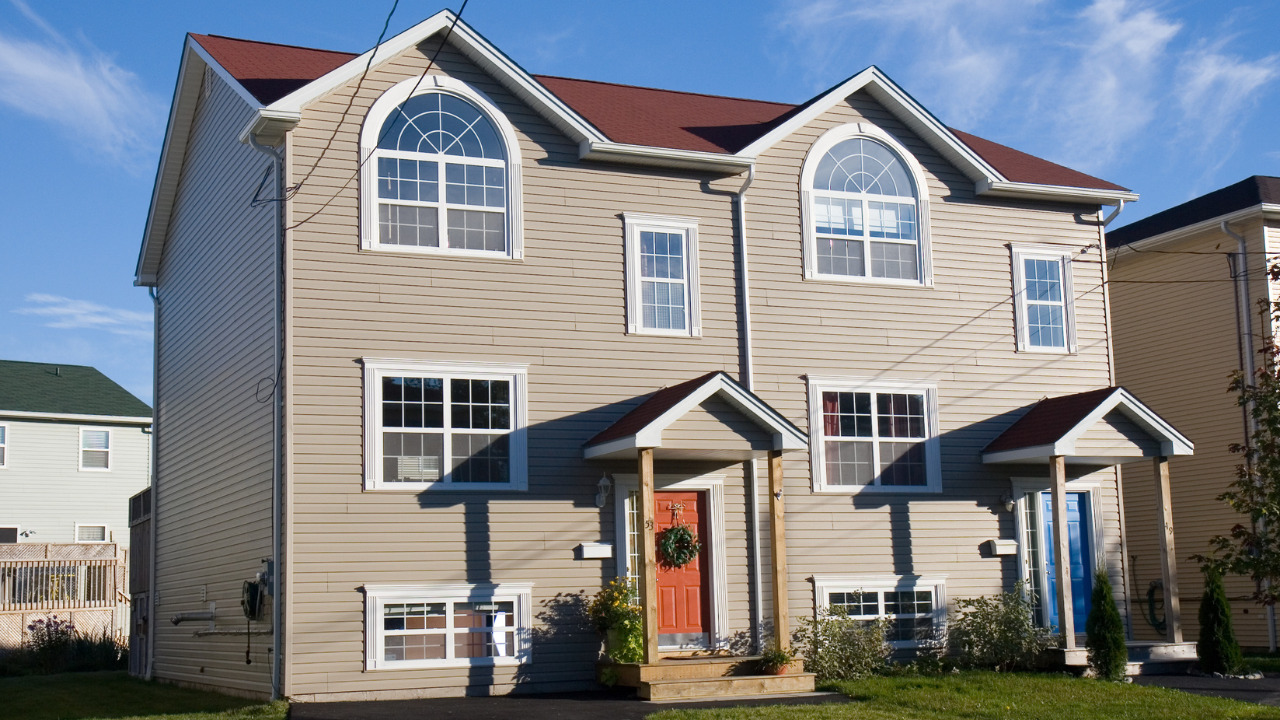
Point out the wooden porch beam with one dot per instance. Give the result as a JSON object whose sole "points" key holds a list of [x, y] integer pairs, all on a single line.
{"points": [[1168, 555], [778, 548], [1062, 551], [648, 556]]}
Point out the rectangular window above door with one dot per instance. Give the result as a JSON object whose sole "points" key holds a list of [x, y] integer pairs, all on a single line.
{"points": [[662, 275]]}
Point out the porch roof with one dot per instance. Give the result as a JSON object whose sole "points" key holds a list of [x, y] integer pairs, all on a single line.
{"points": [[644, 425], [1107, 426]]}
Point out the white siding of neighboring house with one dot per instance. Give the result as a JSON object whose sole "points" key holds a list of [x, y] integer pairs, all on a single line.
{"points": [[44, 491]]}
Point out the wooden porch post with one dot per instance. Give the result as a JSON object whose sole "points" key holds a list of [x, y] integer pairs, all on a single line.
{"points": [[649, 557], [1168, 556], [778, 547], [1062, 551]]}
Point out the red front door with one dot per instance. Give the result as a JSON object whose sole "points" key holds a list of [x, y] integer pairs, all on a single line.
{"points": [[684, 598]]}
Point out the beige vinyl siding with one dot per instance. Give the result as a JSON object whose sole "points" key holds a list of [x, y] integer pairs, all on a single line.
{"points": [[43, 490], [1176, 347], [213, 495], [957, 334], [1115, 435], [716, 424], [561, 311]]}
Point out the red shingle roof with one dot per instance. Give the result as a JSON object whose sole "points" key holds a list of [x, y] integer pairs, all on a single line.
{"points": [[624, 113], [650, 410], [1049, 420]]}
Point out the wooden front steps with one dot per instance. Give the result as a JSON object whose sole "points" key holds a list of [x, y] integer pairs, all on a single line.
{"points": [[701, 677]]}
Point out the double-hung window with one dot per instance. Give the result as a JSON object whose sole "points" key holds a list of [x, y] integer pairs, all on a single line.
{"points": [[447, 625], [441, 173], [864, 211], [914, 606], [95, 449], [91, 533], [4, 446], [873, 435], [1043, 300], [662, 275], [444, 426]]}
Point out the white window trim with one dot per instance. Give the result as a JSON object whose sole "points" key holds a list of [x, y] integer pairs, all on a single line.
{"points": [[824, 585], [1024, 485], [830, 139], [4, 443], [377, 115], [17, 531], [81, 450], [1060, 255], [378, 596], [633, 224], [932, 454], [106, 534], [376, 368]]}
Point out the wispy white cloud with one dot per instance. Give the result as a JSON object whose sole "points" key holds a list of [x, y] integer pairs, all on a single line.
{"points": [[1079, 85], [101, 105], [70, 314]]}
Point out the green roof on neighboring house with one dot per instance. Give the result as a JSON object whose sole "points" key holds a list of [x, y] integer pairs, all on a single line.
{"points": [[64, 390]]}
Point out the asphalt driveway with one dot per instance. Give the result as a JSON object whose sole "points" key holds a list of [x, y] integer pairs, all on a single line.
{"points": [[1265, 691]]}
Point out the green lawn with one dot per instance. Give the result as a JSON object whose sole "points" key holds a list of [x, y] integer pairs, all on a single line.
{"points": [[995, 696], [97, 696]]}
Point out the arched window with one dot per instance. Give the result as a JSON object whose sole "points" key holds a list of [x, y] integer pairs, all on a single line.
{"points": [[864, 211], [441, 173]]}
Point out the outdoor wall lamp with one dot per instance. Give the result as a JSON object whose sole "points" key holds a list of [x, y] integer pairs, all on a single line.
{"points": [[1008, 501], [602, 489]]}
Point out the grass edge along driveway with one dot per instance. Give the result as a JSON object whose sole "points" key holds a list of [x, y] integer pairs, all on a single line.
{"points": [[996, 696], [115, 695]]}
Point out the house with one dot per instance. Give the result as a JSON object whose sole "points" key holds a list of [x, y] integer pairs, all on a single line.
{"points": [[74, 446], [443, 344], [1185, 288]]}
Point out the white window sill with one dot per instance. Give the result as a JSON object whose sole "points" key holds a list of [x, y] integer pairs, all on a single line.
{"points": [[456, 663], [1033, 350], [439, 252], [876, 489], [869, 281], [377, 486]]}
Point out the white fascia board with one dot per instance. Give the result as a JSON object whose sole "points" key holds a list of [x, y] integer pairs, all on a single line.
{"points": [[270, 126], [1035, 453], [605, 151], [786, 436], [611, 447], [1171, 441], [75, 417], [920, 120], [479, 50], [1263, 210], [1035, 191]]}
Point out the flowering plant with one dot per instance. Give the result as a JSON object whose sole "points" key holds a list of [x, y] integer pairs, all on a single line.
{"points": [[49, 640], [615, 611]]}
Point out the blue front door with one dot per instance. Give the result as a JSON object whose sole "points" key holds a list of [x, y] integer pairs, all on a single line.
{"points": [[1080, 546]]}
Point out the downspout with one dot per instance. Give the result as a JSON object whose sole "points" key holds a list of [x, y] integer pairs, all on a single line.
{"points": [[155, 482], [1244, 329], [277, 474], [1111, 378], [748, 381]]}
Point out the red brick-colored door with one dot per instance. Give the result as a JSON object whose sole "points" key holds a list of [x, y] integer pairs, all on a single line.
{"points": [[684, 597]]}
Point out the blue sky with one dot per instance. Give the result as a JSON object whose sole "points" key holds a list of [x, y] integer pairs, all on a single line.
{"points": [[1170, 98]]}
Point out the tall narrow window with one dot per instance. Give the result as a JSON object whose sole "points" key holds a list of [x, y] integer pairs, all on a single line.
{"points": [[873, 436], [4, 445], [95, 449], [864, 213], [449, 426], [440, 173], [1042, 300], [662, 282]]}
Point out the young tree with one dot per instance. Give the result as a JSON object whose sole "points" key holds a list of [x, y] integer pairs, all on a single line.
{"points": [[1217, 646], [1108, 654]]}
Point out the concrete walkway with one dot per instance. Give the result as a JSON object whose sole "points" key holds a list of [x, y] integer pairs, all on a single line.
{"points": [[1265, 691], [580, 706]]}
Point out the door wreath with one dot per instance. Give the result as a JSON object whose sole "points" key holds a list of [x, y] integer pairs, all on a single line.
{"points": [[678, 544]]}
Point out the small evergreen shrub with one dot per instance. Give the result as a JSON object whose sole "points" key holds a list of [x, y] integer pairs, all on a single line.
{"points": [[1217, 646], [1104, 632], [838, 647], [997, 632]]}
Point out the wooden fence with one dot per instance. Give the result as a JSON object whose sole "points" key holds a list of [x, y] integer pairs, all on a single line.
{"points": [[81, 583]]}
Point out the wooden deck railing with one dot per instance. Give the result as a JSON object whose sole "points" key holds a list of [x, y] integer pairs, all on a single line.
{"points": [[27, 585]]}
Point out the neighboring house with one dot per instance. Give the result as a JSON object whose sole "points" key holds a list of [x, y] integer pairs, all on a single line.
{"points": [[1185, 288], [74, 446], [487, 331]]}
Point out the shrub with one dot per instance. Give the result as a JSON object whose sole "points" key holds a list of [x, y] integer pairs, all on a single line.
{"points": [[838, 647], [48, 643], [1217, 646], [997, 633], [1104, 632], [616, 612], [54, 646]]}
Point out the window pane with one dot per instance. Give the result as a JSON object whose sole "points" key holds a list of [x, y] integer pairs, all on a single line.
{"points": [[406, 225], [484, 629], [91, 533], [894, 260], [837, 216], [481, 404], [404, 179], [902, 463], [412, 457], [96, 439], [94, 459], [477, 230], [420, 402], [441, 123], [1046, 326], [848, 463], [846, 414], [856, 604], [475, 185], [900, 415], [1044, 280], [891, 220], [663, 305], [840, 257], [858, 165], [481, 458]]}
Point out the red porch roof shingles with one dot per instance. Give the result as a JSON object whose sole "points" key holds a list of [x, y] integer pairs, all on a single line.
{"points": [[1049, 420]]}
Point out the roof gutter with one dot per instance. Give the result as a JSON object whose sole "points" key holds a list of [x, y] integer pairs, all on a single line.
{"points": [[1035, 191], [663, 157], [268, 128]]}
